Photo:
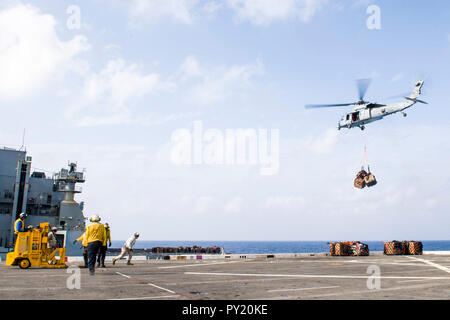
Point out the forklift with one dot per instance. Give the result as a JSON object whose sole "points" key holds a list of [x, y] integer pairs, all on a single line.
{"points": [[31, 250]]}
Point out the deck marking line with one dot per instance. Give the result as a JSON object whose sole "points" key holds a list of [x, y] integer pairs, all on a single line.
{"points": [[299, 289], [161, 288], [368, 291], [413, 280], [431, 264], [154, 285], [142, 298], [310, 276], [150, 284], [198, 264], [123, 275]]}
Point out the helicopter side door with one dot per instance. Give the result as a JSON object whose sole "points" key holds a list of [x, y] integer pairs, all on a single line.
{"points": [[364, 114], [354, 116]]}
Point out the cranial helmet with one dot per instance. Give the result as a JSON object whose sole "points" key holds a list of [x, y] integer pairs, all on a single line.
{"points": [[95, 218], [23, 215]]}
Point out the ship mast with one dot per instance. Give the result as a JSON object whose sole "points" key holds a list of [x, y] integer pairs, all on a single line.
{"points": [[70, 212], [66, 180]]}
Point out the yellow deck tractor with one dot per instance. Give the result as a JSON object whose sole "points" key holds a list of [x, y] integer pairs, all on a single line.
{"points": [[31, 250]]}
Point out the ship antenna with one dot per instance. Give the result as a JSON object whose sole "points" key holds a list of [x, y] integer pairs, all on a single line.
{"points": [[23, 139]]}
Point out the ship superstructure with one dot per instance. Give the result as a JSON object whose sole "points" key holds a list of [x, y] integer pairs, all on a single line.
{"points": [[45, 198]]}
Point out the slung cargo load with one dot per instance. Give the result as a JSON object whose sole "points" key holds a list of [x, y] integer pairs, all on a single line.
{"points": [[360, 181], [364, 178], [370, 180]]}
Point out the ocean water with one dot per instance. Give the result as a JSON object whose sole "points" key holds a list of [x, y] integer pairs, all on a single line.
{"points": [[248, 247]]}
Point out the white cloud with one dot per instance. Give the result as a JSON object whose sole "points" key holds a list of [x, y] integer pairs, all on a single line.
{"points": [[107, 96], [153, 11], [397, 77], [263, 12], [363, 3], [285, 202], [202, 204], [258, 12], [211, 7], [208, 85], [323, 144], [234, 205], [31, 54]]}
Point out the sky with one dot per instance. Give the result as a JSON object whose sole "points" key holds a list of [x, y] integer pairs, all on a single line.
{"points": [[131, 89]]}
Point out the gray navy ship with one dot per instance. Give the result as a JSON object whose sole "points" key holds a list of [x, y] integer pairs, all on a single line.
{"points": [[44, 199]]}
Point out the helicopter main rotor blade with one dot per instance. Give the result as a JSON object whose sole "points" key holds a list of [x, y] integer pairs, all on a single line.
{"points": [[363, 85], [397, 96], [312, 106]]}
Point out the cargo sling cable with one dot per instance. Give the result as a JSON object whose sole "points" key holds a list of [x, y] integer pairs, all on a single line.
{"points": [[364, 178]]}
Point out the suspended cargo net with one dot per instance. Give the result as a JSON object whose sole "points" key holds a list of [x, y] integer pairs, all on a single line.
{"points": [[364, 178], [360, 180]]}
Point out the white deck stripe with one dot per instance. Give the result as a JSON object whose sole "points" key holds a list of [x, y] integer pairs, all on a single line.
{"points": [[161, 288], [431, 264], [309, 276], [123, 275], [413, 280], [148, 283], [344, 293], [145, 298], [301, 289], [197, 265]]}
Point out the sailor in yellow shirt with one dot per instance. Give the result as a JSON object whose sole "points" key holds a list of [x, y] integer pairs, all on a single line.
{"points": [[19, 225], [85, 254], [94, 239], [104, 248]]}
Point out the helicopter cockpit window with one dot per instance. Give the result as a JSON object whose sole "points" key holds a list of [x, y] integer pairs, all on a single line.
{"points": [[347, 117]]}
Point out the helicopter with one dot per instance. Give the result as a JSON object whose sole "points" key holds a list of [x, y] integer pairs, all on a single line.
{"points": [[366, 112]]}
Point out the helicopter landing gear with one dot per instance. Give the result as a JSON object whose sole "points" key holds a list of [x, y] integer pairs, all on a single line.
{"points": [[362, 127], [404, 114]]}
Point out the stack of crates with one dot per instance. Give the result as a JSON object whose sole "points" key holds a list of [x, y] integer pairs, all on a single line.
{"points": [[403, 248], [349, 248]]}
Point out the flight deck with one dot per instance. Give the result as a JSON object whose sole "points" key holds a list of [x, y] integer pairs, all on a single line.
{"points": [[266, 277]]}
